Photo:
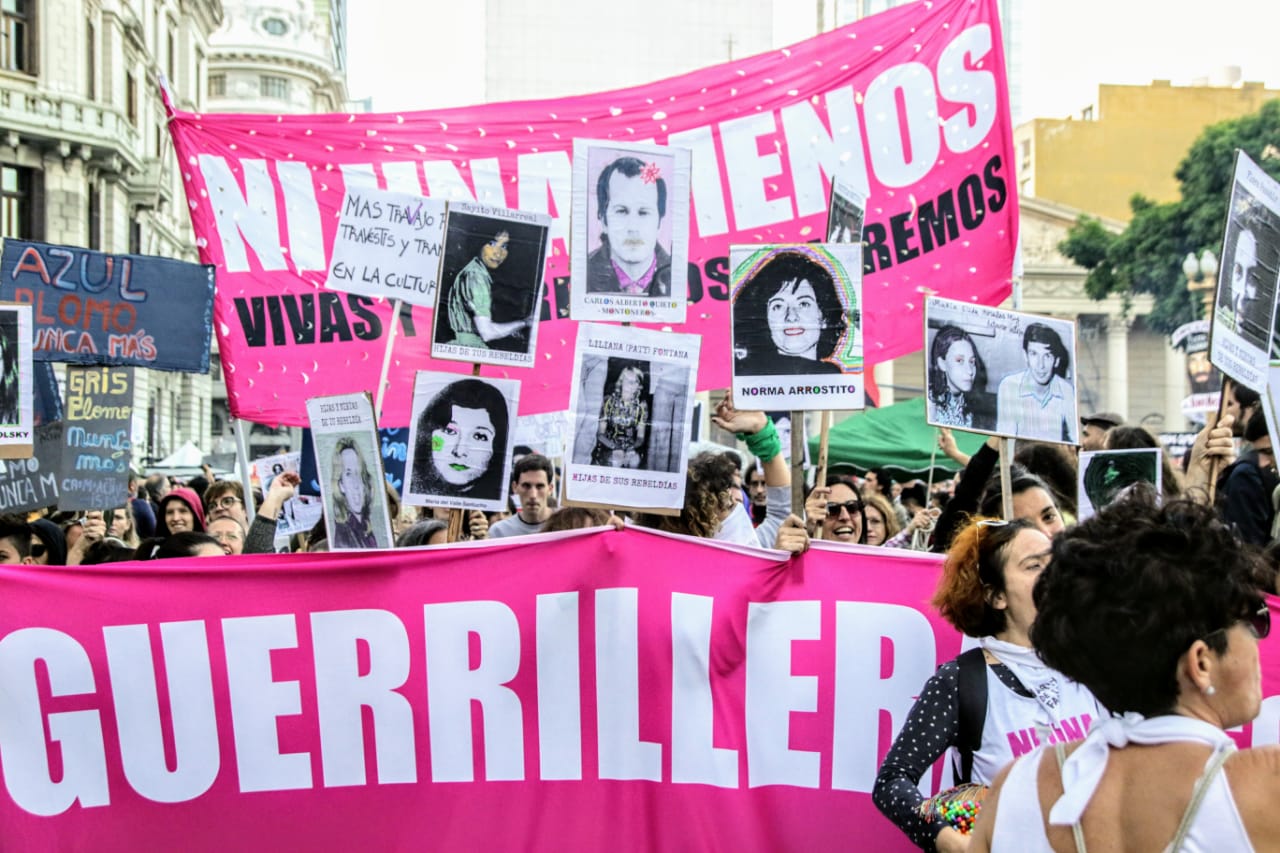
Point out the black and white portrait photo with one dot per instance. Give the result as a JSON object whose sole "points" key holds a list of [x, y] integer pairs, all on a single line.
{"points": [[490, 287], [1251, 263], [460, 440], [796, 317], [845, 214], [631, 232], [631, 407], [1240, 337], [1000, 372], [17, 385], [956, 381], [349, 466]]}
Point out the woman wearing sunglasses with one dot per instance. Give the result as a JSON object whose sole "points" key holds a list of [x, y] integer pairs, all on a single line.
{"points": [[837, 510], [991, 703], [1159, 611]]}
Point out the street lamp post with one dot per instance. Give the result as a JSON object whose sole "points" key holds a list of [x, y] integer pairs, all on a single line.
{"points": [[1201, 279]]}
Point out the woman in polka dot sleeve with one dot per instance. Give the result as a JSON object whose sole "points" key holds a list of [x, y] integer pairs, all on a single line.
{"points": [[1011, 701]]}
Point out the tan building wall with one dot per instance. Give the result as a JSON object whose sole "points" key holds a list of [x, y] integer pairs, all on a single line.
{"points": [[1130, 142]]}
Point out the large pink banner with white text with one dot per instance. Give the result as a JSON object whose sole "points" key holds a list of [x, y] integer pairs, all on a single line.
{"points": [[910, 105], [604, 690]]}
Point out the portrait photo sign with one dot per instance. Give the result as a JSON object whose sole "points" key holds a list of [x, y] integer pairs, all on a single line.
{"points": [[490, 291], [349, 468], [846, 213], [1246, 296], [268, 468], [96, 430], [1105, 475], [387, 245], [17, 383], [95, 308], [1000, 372], [460, 441], [797, 326], [632, 406], [630, 255]]}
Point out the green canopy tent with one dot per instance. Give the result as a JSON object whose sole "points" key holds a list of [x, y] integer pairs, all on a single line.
{"points": [[895, 438]]}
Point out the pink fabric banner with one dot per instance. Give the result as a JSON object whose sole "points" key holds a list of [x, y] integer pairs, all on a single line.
{"points": [[601, 690], [910, 104]]}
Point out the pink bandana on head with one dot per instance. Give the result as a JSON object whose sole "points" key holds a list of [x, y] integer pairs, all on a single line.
{"points": [[635, 286]]}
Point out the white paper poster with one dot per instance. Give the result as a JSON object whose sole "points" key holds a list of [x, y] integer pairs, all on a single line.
{"points": [[349, 465], [460, 441], [797, 326], [630, 250], [632, 403]]}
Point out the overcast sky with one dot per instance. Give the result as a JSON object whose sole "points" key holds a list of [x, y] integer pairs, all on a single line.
{"points": [[401, 52]]}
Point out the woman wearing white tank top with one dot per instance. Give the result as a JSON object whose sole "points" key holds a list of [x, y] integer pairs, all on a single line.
{"points": [[1158, 611]]}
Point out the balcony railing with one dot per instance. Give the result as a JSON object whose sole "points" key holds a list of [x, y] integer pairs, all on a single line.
{"points": [[37, 115]]}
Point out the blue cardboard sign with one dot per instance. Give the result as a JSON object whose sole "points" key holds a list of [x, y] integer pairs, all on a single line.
{"points": [[93, 308]]}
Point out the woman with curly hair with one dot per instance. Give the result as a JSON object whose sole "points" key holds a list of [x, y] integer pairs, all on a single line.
{"points": [[990, 700], [1158, 610], [788, 318]]}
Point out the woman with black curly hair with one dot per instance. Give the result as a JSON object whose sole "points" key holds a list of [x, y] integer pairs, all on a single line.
{"points": [[991, 703], [788, 318], [1158, 611]]}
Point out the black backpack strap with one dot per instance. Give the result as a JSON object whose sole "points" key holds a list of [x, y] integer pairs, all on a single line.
{"points": [[972, 701]]}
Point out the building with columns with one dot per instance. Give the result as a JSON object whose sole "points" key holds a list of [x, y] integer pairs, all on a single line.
{"points": [[85, 159]]}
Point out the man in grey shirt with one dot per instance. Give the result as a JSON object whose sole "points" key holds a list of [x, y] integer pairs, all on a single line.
{"points": [[531, 482]]}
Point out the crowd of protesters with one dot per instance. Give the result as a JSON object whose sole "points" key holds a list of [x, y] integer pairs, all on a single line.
{"points": [[731, 496], [1000, 535]]}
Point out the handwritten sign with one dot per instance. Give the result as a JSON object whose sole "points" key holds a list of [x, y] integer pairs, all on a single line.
{"points": [[27, 484], [94, 308], [388, 245], [95, 438]]}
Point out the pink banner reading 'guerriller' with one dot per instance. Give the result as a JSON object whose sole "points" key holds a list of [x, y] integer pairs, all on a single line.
{"points": [[584, 691], [910, 104]]}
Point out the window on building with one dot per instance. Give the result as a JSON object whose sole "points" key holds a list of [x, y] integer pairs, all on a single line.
{"points": [[171, 56], [271, 86], [275, 26], [91, 62], [217, 85], [95, 216], [20, 203], [17, 36], [135, 237], [131, 98]]}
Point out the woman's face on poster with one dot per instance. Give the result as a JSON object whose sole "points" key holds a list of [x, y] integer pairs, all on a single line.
{"points": [[461, 449], [795, 320], [629, 384], [351, 481], [960, 366], [494, 253]]}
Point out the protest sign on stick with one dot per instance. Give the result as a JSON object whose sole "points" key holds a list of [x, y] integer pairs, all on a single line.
{"points": [[1108, 475], [1240, 338], [96, 433], [28, 484], [1000, 372], [460, 441], [797, 326], [490, 291], [350, 472], [846, 213], [95, 308], [17, 383], [630, 232], [632, 402]]}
